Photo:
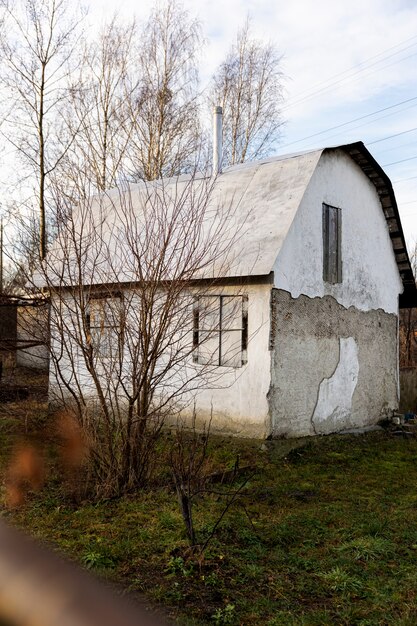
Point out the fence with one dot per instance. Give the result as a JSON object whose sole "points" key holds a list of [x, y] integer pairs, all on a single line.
{"points": [[408, 389]]}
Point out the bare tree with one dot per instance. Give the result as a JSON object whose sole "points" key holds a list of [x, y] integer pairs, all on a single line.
{"points": [[98, 113], [38, 44], [248, 85], [164, 109]]}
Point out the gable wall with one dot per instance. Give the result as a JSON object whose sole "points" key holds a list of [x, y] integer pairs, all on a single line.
{"points": [[335, 357], [370, 276]]}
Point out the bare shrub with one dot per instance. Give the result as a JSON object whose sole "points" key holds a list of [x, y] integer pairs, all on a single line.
{"points": [[189, 467], [122, 279]]}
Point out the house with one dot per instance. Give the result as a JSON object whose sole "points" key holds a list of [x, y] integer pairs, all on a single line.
{"points": [[300, 324]]}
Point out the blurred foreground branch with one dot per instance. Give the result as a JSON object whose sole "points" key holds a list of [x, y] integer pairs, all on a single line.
{"points": [[37, 587]]}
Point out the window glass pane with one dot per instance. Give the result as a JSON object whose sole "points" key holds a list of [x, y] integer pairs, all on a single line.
{"points": [[95, 335], [96, 313], [231, 348], [231, 312], [209, 312], [105, 318], [109, 343], [111, 311], [208, 349], [218, 330]]}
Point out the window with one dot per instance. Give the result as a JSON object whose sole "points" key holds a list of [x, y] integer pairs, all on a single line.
{"points": [[103, 321], [332, 248], [220, 334]]}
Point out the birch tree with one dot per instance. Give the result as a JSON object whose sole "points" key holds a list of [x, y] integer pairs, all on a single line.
{"points": [[38, 44], [164, 107], [98, 110], [248, 85]]}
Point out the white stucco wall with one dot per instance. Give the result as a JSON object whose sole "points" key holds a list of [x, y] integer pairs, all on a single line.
{"points": [[238, 404], [370, 276], [235, 399]]}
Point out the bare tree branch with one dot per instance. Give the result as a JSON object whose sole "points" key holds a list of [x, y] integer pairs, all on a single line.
{"points": [[248, 85]]}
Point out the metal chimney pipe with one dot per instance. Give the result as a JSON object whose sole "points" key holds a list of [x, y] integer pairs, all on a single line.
{"points": [[217, 140]]}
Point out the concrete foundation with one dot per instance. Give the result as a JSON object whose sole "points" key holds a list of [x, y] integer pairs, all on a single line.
{"points": [[332, 368]]}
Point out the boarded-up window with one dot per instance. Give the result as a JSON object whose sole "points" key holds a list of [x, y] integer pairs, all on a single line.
{"points": [[104, 321], [332, 244], [220, 334]]}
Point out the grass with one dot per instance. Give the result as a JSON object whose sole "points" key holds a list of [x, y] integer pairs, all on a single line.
{"points": [[324, 535]]}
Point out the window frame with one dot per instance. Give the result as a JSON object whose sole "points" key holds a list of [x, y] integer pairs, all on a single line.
{"points": [[243, 329], [115, 329], [332, 244]]}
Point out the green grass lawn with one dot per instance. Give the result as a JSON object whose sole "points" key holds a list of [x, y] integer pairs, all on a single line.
{"points": [[324, 535]]}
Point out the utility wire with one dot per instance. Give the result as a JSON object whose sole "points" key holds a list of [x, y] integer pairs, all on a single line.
{"points": [[363, 65], [362, 117], [351, 80], [348, 70], [402, 161], [404, 132], [366, 124], [400, 180], [398, 147]]}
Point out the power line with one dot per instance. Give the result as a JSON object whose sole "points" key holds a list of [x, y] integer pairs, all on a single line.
{"points": [[404, 132], [400, 180], [402, 161], [367, 124], [398, 147], [362, 117], [364, 65], [350, 80]]}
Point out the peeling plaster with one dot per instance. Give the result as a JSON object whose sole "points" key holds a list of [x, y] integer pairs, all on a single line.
{"points": [[334, 403], [306, 350]]}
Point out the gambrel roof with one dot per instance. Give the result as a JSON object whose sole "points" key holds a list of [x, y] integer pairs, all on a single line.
{"points": [[263, 198]]}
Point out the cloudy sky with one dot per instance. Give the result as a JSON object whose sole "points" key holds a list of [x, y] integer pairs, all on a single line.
{"points": [[350, 67]]}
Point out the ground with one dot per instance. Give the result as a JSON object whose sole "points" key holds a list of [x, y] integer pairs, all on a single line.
{"points": [[324, 534]]}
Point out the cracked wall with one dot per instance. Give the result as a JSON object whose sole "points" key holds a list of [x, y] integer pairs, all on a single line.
{"points": [[332, 368]]}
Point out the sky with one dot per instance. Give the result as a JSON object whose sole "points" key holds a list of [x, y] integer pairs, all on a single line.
{"points": [[350, 73]]}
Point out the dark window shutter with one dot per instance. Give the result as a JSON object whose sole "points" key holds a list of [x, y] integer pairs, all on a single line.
{"points": [[332, 258]]}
